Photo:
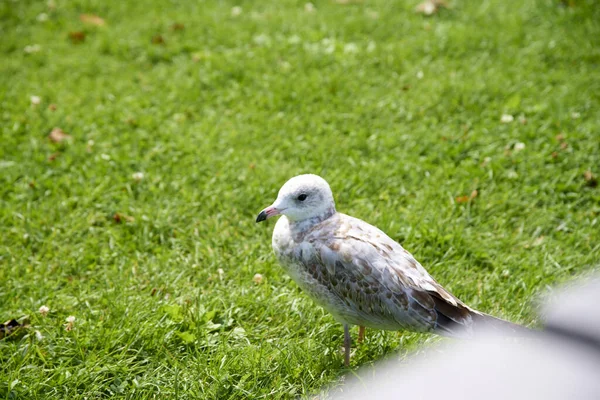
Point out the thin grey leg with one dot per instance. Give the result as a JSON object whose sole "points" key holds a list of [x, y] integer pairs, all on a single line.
{"points": [[347, 343]]}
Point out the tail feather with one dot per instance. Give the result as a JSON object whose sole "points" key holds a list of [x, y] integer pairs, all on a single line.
{"points": [[460, 321], [485, 322]]}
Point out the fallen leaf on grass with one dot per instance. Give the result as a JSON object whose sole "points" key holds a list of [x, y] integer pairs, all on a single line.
{"points": [[77, 37], [92, 19], [430, 7], [177, 26], [466, 199], [158, 39], [590, 179], [58, 136], [119, 218]]}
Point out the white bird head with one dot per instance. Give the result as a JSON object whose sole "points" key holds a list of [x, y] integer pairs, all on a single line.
{"points": [[301, 198]]}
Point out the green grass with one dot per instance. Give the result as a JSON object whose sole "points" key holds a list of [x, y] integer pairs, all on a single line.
{"points": [[399, 112]]}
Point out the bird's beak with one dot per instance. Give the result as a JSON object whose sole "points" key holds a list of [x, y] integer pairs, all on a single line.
{"points": [[268, 213]]}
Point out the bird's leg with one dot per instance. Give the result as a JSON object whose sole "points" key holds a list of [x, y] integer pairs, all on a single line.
{"points": [[361, 333], [347, 342]]}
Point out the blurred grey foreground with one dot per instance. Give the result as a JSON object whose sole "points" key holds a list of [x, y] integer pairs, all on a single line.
{"points": [[561, 362]]}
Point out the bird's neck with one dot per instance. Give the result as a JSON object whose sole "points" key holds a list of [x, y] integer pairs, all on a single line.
{"points": [[302, 226]]}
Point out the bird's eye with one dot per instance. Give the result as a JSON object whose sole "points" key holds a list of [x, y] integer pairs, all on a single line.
{"points": [[302, 197]]}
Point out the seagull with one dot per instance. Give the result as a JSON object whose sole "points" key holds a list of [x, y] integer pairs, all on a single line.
{"points": [[358, 273]]}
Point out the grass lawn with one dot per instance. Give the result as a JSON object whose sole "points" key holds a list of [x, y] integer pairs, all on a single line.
{"points": [[217, 107]]}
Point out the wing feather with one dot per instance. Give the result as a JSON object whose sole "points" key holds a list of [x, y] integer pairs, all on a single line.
{"points": [[379, 282]]}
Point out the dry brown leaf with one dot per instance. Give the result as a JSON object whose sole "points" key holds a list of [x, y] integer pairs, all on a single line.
{"points": [[590, 179], [92, 19], [158, 39], [177, 27], [77, 37], [465, 198], [588, 176], [119, 218], [462, 199], [430, 7], [57, 135], [131, 121]]}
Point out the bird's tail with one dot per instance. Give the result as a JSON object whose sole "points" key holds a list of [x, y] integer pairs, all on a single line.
{"points": [[488, 323]]}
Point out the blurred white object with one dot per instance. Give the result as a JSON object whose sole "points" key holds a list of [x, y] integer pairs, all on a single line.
{"points": [[560, 362]]}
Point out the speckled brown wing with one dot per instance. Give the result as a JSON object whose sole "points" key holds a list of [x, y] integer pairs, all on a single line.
{"points": [[379, 283]]}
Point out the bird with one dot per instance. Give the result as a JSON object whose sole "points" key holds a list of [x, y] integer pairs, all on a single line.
{"points": [[358, 273]]}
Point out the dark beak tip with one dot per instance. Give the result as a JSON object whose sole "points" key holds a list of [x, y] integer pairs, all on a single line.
{"points": [[261, 217]]}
